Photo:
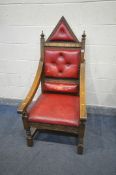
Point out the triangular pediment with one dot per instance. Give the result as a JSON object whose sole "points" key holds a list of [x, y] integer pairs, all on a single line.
{"points": [[62, 32]]}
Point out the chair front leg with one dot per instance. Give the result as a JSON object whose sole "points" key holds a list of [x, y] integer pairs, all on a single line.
{"points": [[80, 146], [28, 131]]}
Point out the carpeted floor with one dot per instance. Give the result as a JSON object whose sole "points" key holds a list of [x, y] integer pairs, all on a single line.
{"points": [[55, 154]]}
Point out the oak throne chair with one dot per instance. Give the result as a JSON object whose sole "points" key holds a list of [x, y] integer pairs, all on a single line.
{"points": [[61, 72]]}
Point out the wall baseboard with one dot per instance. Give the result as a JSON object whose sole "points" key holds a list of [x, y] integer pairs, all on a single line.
{"points": [[101, 110], [8, 101], [106, 111]]}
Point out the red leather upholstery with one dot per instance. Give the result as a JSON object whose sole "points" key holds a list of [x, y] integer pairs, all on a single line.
{"points": [[61, 87], [55, 109], [62, 34], [62, 63]]}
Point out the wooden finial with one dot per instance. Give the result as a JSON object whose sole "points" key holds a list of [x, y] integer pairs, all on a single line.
{"points": [[83, 35], [42, 34], [83, 46], [83, 39]]}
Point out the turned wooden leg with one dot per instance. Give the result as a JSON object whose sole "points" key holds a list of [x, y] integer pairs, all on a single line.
{"points": [[28, 132], [80, 146], [29, 137]]}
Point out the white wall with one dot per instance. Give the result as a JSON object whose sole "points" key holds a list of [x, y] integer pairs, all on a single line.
{"points": [[21, 23]]}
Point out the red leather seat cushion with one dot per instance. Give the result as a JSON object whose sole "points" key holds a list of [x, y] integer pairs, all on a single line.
{"points": [[55, 109], [62, 63]]}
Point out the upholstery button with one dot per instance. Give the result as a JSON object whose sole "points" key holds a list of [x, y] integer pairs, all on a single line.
{"points": [[60, 71], [61, 54], [53, 62], [68, 64], [62, 30]]}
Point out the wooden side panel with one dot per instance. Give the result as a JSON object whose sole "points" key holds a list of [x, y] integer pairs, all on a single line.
{"points": [[83, 113]]}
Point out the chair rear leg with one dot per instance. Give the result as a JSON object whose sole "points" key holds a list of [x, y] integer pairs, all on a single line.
{"points": [[29, 137], [28, 131], [80, 146]]}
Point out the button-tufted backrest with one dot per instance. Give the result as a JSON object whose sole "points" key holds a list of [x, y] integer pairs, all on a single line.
{"points": [[63, 64], [62, 56]]}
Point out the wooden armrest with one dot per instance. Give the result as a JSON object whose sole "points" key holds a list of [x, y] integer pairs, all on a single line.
{"points": [[83, 112], [22, 107]]}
